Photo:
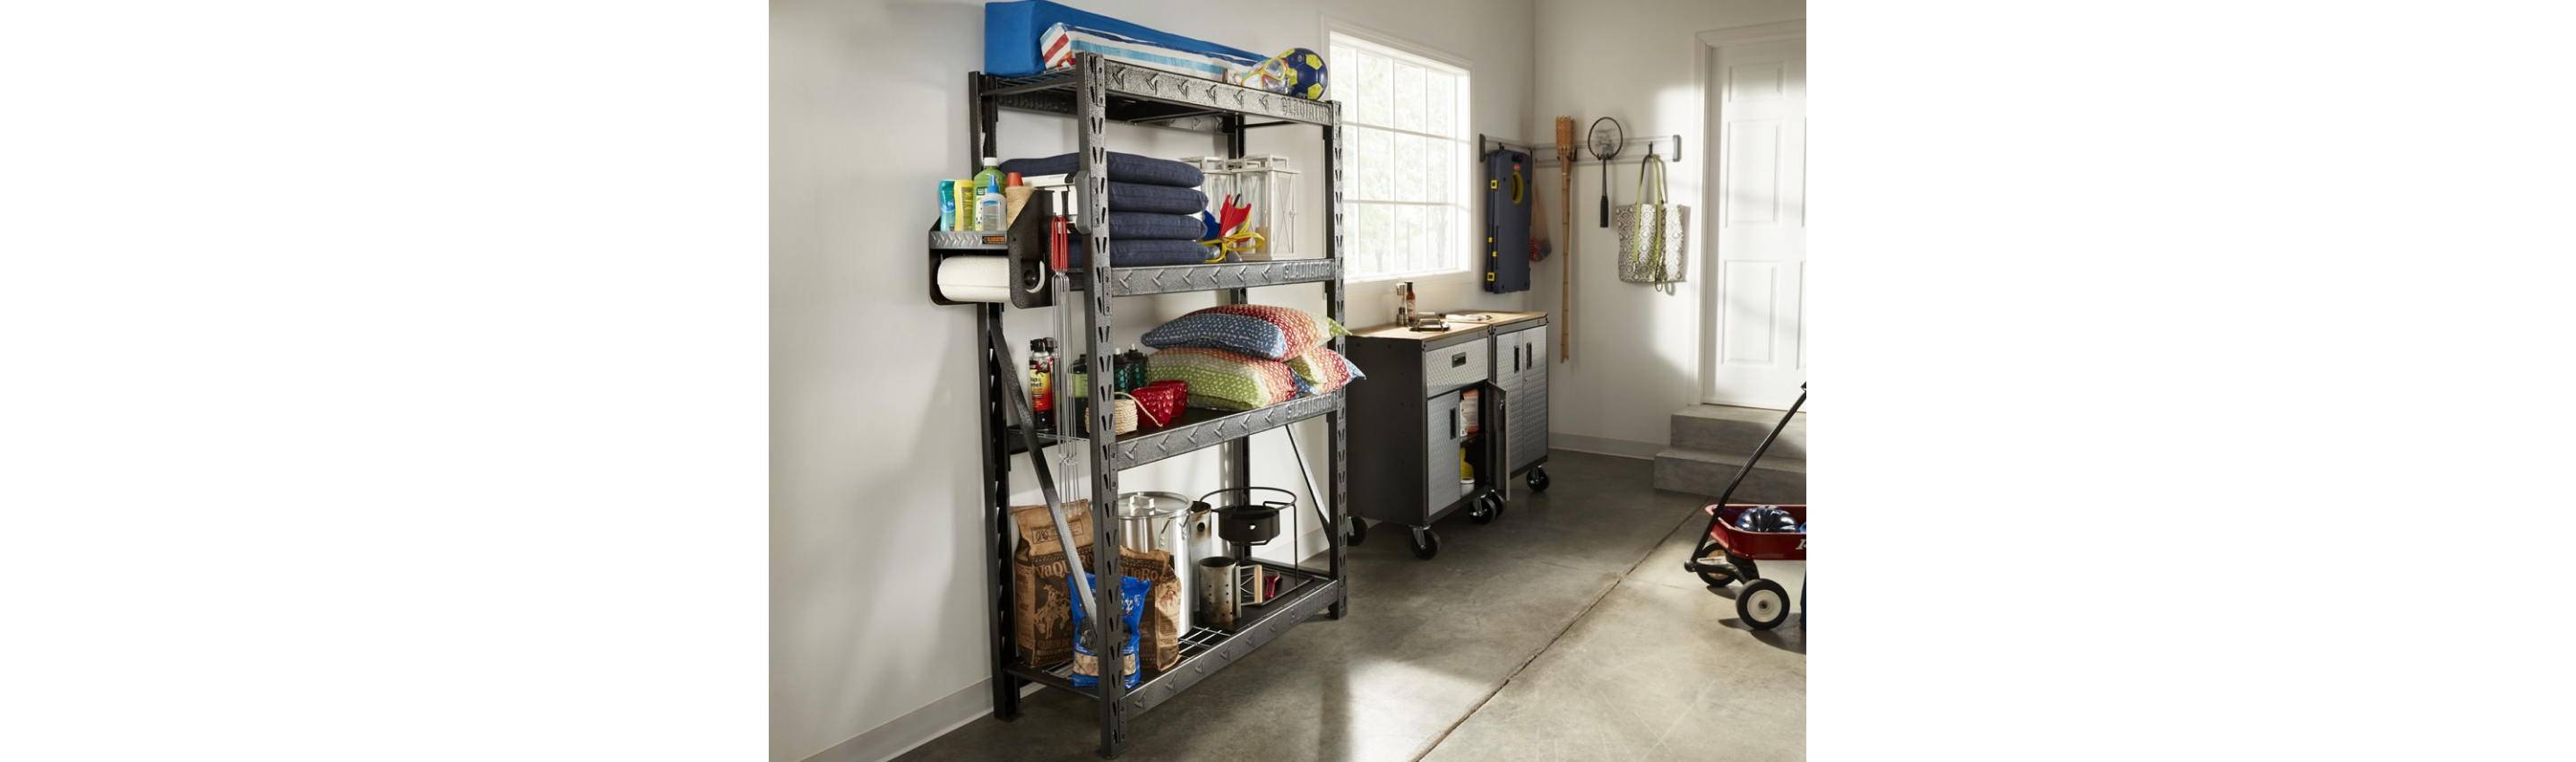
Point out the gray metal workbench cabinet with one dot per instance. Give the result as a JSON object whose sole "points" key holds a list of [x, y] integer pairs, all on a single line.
{"points": [[1406, 417]]}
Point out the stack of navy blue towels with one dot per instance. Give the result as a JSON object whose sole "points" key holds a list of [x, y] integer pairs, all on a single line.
{"points": [[1153, 207]]}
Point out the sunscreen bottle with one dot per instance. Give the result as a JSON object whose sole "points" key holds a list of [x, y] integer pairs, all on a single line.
{"points": [[948, 205]]}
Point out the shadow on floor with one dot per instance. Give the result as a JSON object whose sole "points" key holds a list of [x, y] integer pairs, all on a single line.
{"points": [[1564, 630]]}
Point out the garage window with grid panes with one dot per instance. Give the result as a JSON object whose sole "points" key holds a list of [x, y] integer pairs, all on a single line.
{"points": [[1408, 168]]}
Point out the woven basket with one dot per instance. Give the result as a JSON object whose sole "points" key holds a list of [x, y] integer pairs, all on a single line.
{"points": [[1159, 402]]}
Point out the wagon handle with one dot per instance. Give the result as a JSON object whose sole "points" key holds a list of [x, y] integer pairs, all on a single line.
{"points": [[1757, 453]]}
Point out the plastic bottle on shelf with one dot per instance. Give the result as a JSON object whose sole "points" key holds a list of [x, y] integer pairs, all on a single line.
{"points": [[1081, 380], [948, 205], [988, 207], [991, 177], [1041, 382]]}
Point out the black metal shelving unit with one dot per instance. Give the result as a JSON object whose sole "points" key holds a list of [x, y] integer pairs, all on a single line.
{"points": [[1095, 91]]}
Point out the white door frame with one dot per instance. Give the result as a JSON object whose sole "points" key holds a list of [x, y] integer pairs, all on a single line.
{"points": [[1710, 190]]}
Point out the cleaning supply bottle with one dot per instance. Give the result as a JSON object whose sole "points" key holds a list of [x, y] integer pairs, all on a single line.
{"points": [[1081, 374], [990, 177], [1041, 383], [1131, 370], [965, 204], [988, 206]]}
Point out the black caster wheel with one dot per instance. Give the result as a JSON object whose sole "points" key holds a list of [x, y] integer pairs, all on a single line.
{"points": [[1426, 543], [1711, 570], [1538, 479], [1497, 497], [1744, 568], [1481, 511], [1358, 533], [1763, 605]]}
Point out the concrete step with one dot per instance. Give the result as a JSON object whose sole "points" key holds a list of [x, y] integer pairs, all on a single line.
{"points": [[1737, 430], [1702, 472]]}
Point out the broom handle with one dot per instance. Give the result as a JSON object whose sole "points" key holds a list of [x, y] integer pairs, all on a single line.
{"points": [[1565, 295]]}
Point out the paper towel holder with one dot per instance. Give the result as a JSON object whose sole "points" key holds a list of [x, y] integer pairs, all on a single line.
{"points": [[1024, 243]]}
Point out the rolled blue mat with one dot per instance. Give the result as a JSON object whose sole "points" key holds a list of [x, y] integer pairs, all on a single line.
{"points": [[1150, 252], [1123, 168], [1166, 199], [1138, 226]]}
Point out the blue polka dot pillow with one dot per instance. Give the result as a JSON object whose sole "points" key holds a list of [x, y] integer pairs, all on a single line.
{"points": [[1256, 330]]}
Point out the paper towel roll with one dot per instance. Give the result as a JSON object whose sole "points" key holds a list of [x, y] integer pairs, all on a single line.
{"points": [[976, 279]]}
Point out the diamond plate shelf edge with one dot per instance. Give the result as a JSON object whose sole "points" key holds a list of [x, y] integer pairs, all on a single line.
{"points": [[1141, 449], [1140, 281], [1140, 82]]}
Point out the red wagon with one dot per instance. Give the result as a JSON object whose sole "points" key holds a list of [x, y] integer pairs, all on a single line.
{"points": [[1729, 554]]}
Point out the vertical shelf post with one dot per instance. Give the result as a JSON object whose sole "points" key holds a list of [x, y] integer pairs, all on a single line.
{"points": [[999, 597], [1234, 457], [1091, 102], [1336, 451], [994, 358]]}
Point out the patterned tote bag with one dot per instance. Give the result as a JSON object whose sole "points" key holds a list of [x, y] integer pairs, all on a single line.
{"points": [[1654, 236]]}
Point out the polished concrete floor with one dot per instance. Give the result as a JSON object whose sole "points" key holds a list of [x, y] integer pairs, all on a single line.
{"points": [[1567, 630]]}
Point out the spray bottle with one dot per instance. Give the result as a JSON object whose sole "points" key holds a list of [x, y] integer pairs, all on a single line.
{"points": [[1042, 383]]}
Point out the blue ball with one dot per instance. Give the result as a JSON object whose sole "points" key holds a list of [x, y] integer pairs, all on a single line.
{"points": [[1307, 77], [1299, 72]]}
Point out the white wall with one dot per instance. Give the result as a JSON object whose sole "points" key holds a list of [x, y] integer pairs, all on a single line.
{"points": [[876, 550], [1636, 351]]}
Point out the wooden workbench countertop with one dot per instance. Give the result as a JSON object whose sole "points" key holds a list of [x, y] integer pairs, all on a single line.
{"points": [[1500, 319]]}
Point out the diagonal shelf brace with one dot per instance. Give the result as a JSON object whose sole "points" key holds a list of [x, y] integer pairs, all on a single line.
{"points": [[1025, 422]]}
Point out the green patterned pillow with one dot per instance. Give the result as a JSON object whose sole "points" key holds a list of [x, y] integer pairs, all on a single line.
{"points": [[1325, 370], [1223, 380]]}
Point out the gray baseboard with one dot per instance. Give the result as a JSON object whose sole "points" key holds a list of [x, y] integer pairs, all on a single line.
{"points": [[1603, 446], [915, 728]]}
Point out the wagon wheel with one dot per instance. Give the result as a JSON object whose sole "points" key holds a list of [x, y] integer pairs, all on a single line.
{"points": [[1715, 574], [1763, 604]]}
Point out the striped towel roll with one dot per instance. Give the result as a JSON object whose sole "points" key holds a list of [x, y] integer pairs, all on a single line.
{"points": [[1058, 44]]}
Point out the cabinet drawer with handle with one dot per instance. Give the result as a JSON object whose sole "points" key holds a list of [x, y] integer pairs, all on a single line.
{"points": [[1457, 365]]}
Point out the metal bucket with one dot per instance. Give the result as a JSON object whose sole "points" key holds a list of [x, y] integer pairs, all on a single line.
{"points": [[1151, 521]]}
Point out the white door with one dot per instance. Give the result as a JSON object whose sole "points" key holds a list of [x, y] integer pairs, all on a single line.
{"points": [[1754, 346]]}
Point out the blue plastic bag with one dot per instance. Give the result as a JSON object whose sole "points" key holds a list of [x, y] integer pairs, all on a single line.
{"points": [[1131, 609]]}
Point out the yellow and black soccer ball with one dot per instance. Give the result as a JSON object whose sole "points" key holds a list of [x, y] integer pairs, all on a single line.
{"points": [[1306, 75], [1298, 72]]}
